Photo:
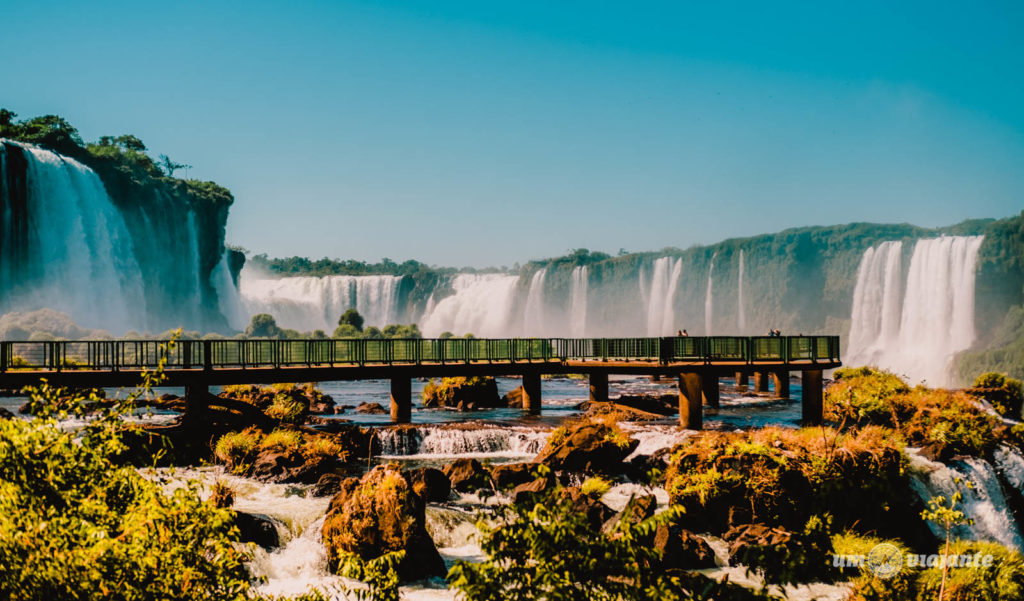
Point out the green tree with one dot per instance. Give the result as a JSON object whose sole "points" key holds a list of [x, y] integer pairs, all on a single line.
{"points": [[353, 318], [944, 513], [169, 166], [263, 325]]}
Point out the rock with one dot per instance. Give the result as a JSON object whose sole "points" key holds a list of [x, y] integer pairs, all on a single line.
{"points": [[5, 414], [641, 467], [531, 492], [510, 475], [476, 392], [938, 451], [591, 447], [379, 514], [756, 535], [328, 485], [257, 528], [516, 398], [430, 484], [322, 404], [597, 513], [292, 467], [681, 549], [467, 475], [370, 408]]}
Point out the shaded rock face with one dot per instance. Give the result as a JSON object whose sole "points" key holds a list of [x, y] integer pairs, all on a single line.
{"points": [[597, 513], [681, 549], [292, 467], [464, 394], [5, 414], [511, 475], [327, 485], [429, 484], [589, 447], [515, 398], [534, 490], [378, 514], [467, 475], [258, 529]]}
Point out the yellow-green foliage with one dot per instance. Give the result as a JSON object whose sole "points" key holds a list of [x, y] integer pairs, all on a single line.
{"points": [[322, 446], [1005, 393], [595, 486], [449, 391], [237, 450], [221, 495], [867, 586], [783, 475], [281, 440], [74, 524], [287, 408], [922, 416]]}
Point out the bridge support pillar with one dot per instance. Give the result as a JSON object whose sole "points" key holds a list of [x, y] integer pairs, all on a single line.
{"points": [[401, 400], [812, 408], [742, 381], [531, 393], [691, 412], [598, 387], [760, 381], [781, 379], [709, 391], [195, 399]]}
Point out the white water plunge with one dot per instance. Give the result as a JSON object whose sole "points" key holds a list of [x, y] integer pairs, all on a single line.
{"points": [[741, 316], [915, 333], [533, 314], [660, 296], [709, 299], [480, 304], [578, 302], [315, 303]]}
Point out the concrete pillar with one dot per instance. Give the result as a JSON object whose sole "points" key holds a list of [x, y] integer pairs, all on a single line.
{"points": [[709, 391], [401, 400], [691, 412], [195, 399], [781, 379], [760, 381], [598, 387], [812, 407], [531, 393], [742, 381]]}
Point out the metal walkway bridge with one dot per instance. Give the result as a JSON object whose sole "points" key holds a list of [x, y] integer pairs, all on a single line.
{"points": [[697, 361]]}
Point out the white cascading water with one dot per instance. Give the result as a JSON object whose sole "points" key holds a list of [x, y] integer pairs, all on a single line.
{"points": [[709, 299], [533, 313], [79, 251], [661, 295], [480, 304], [309, 303], [578, 302], [440, 441], [741, 316], [983, 501], [918, 336]]}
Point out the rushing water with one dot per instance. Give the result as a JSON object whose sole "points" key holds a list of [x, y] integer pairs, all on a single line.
{"points": [[915, 325], [709, 299], [741, 315], [578, 301]]}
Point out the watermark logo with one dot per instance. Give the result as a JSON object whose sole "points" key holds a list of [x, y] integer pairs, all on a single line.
{"points": [[886, 560]]}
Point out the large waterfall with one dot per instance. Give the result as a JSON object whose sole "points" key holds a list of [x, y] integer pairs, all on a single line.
{"points": [[315, 303], [914, 323], [578, 302], [67, 246], [661, 296], [741, 316], [533, 315], [709, 299], [480, 304]]}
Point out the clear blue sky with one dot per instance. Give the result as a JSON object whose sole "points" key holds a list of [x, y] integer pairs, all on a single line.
{"points": [[486, 133]]}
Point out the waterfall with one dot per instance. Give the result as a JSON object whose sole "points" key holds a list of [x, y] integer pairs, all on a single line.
{"points": [[709, 299], [480, 304], [533, 313], [661, 295], [983, 500], [65, 244], [741, 317], [440, 441], [919, 335], [578, 302], [313, 303]]}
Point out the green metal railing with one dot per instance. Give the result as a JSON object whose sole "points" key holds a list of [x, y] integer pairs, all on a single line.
{"points": [[114, 355]]}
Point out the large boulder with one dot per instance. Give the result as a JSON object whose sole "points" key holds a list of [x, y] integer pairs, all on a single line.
{"points": [[476, 393], [291, 466], [515, 398], [430, 484], [681, 549], [510, 475], [467, 475], [534, 490], [379, 514], [596, 512], [371, 408], [587, 446], [258, 529]]}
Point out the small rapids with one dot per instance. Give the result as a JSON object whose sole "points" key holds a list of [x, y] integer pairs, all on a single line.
{"points": [[484, 441], [983, 500]]}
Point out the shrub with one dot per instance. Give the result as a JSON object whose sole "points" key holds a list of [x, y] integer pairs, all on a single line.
{"points": [[281, 440], [287, 408], [867, 586], [237, 450], [323, 446], [221, 495], [1004, 393], [595, 486], [1002, 581]]}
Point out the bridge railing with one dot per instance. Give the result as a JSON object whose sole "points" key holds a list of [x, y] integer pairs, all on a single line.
{"points": [[115, 355]]}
